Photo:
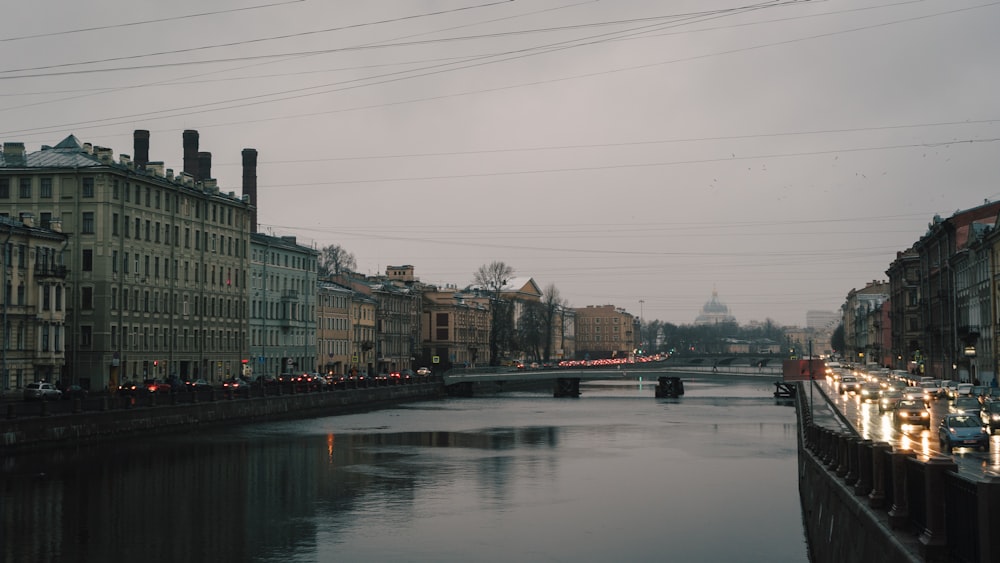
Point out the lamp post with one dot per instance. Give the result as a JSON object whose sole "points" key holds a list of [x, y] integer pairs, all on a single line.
{"points": [[641, 341]]}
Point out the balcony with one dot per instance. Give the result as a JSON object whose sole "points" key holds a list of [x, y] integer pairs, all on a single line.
{"points": [[50, 271], [290, 295]]}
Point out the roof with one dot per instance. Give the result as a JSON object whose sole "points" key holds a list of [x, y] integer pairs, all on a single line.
{"points": [[69, 153]]}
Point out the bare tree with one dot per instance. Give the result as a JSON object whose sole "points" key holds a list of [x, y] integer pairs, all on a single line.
{"points": [[553, 316], [334, 260], [492, 278]]}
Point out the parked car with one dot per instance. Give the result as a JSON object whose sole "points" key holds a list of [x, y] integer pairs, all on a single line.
{"points": [[40, 390], [266, 381], [75, 392], [197, 385], [423, 371], [912, 412], [962, 430], [990, 414], [156, 386]]}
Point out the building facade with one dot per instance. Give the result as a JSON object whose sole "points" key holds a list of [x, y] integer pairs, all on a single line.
{"points": [[33, 301], [333, 328], [283, 294], [604, 331], [157, 262], [455, 328]]}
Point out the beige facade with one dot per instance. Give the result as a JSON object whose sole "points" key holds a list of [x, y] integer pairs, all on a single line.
{"points": [[604, 331], [455, 328], [333, 328], [34, 303], [362, 334]]}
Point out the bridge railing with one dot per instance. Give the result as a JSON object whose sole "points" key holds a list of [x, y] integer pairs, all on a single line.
{"points": [[925, 498], [767, 371]]}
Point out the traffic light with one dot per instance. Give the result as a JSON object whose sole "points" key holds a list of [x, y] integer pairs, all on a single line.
{"points": [[156, 363]]}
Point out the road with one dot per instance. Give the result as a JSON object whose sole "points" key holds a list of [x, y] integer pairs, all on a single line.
{"points": [[871, 425]]}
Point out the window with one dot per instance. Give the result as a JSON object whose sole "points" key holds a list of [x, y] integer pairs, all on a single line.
{"points": [[24, 188], [86, 336], [88, 187], [114, 188], [88, 260], [114, 224], [87, 227], [4, 188], [46, 188], [138, 228], [45, 219], [87, 298], [156, 236], [148, 229], [46, 297]]}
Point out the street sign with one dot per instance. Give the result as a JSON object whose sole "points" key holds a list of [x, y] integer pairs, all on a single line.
{"points": [[435, 359]]}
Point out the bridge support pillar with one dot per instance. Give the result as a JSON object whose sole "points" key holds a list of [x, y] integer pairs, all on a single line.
{"points": [[933, 540], [880, 469], [567, 387], [669, 387], [899, 514]]}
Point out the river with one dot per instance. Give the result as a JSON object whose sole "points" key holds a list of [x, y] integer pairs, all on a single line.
{"points": [[615, 475]]}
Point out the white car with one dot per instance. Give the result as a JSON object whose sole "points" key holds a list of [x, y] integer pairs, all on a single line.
{"points": [[40, 390]]}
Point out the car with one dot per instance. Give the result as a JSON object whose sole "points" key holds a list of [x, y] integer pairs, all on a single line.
{"points": [[266, 381], [234, 384], [913, 393], [423, 371], [849, 384], [965, 405], [129, 388], [887, 400], [870, 392], [75, 392], [960, 390], [990, 414], [961, 431], [197, 385], [156, 386], [913, 413], [41, 391], [992, 394]]}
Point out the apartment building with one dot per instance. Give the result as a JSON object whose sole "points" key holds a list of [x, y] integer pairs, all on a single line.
{"points": [[604, 331], [156, 261], [34, 304]]}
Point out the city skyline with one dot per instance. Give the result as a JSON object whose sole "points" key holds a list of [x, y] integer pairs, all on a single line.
{"points": [[632, 154]]}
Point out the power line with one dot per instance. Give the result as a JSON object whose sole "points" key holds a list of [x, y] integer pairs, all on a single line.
{"points": [[145, 22], [636, 165]]}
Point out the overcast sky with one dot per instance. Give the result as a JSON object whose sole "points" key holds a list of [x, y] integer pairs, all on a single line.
{"points": [[630, 152]]}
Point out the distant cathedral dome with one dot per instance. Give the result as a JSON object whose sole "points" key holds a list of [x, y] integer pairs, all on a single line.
{"points": [[714, 312]]}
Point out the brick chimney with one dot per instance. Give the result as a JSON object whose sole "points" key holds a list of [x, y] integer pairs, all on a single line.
{"points": [[13, 153], [140, 148], [250, 184], [204, 166], [191, 152]]}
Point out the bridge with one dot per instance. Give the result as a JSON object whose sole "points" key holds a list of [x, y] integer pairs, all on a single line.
{"points": [[566, 381]]}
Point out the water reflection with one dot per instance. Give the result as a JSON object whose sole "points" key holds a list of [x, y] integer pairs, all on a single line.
{"points": [[609, 477]]}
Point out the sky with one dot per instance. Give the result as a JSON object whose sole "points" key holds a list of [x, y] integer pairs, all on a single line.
{"points": [[636, 153]]}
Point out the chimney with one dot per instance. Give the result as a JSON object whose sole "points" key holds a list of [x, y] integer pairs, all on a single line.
{"points": [[28, 219], [250, 184], [13, 153], [56, 225], [140, 146], [204, 166], [191, 152]]}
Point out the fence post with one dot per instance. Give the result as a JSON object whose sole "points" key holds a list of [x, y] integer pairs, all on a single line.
{"points": [[899, 515], [933, 540], [880, 455], [863, 485]]}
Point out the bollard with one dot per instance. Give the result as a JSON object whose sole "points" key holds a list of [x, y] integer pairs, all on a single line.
{"points": [[899, 514], [851, 477], [842, 461], [194, 395], [933, 540], [863, 485], [880, 455]]}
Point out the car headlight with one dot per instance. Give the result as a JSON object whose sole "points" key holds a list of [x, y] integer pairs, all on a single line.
{"points": [[904, 414], [924, 414]]}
